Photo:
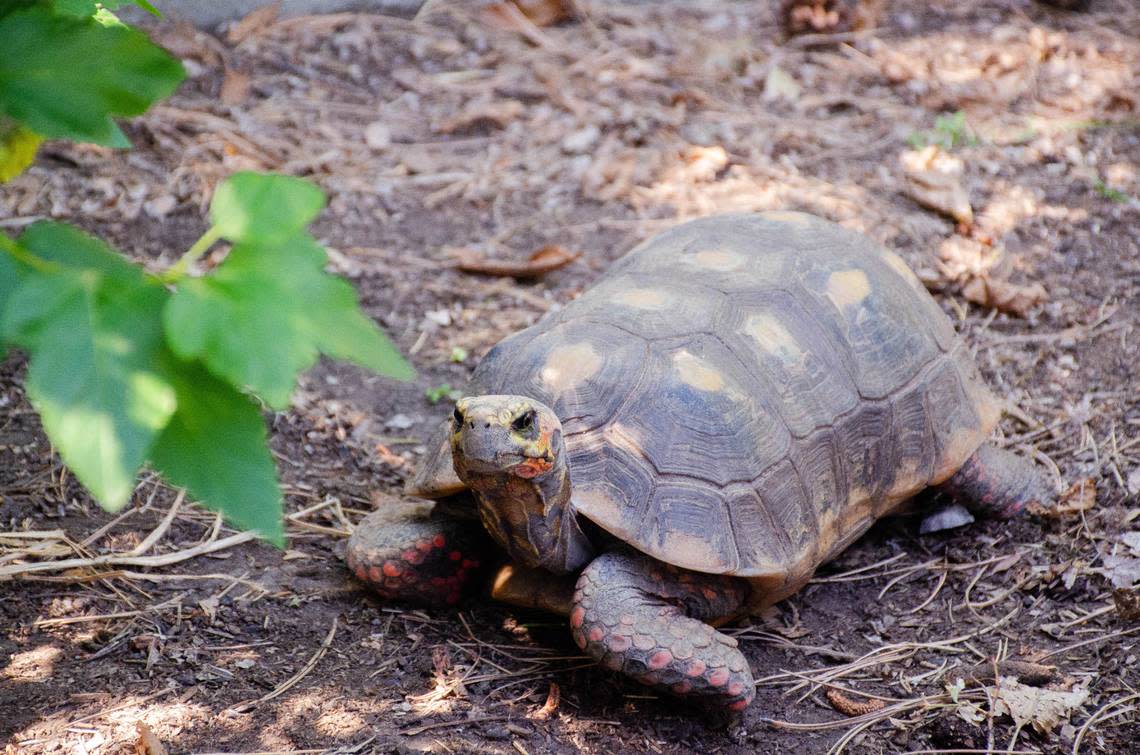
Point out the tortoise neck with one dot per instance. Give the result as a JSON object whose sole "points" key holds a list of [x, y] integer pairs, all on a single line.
{"points": [[534, 518]]}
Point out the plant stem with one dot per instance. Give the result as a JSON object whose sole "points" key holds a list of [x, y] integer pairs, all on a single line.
{"points": [[200, 247]]}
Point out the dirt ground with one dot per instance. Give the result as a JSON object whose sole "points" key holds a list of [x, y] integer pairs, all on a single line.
{"points": [[468, 132]]}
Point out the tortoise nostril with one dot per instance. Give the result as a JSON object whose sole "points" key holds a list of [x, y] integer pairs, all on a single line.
{"points": [[472, 425], [487, 425]]}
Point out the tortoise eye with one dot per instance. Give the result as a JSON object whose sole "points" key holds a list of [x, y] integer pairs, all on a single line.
{"points": [[457, 416], [524, 421]]}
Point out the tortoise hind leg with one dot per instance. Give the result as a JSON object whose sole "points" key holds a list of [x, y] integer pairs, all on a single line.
{"points": [[648, 620], [996, 483]]}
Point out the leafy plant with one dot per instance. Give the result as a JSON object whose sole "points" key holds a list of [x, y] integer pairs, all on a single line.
{"points": [[127, 367], [1109, 193], [949, 131], [440, 392]]}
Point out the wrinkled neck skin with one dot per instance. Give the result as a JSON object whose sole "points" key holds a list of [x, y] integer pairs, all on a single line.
{"points": [[533, 519]]}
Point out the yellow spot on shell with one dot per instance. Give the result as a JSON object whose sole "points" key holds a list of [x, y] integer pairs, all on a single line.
{"points": [[720, 260], [568, 366], [644, 298], [695, 372], [787, 216], [848, 288], [955, 450], [599, 505], [684, 549], [897, 264], [771, 335]]}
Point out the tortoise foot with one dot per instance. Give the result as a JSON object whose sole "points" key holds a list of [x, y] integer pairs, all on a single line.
{"points": [[647, 620], [997, 484], [419, 559]]}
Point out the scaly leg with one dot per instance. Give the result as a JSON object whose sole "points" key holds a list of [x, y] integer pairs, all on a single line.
{"points": [[996, 483], [417, 557], [648, 620]]}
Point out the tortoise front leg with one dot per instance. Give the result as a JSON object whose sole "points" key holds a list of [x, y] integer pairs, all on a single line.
{"points": [[417, 554], [996, 483], [648, 620]]}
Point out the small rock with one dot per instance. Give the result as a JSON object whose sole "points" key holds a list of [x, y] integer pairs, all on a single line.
{"points": [[581, 141], [400, 422], [439, 317], [160, 207], [377, 136]]}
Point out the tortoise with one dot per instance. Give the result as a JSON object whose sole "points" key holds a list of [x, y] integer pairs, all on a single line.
{"points": [[737, 400]]}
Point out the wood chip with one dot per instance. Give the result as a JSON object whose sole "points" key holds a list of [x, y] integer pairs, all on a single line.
{"points": [[148, 743], [1002, 295], [544, 260], [481, 114], [235, 87]]}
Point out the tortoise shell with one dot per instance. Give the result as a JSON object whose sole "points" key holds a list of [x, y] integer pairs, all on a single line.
{"points": [[746, 394]]}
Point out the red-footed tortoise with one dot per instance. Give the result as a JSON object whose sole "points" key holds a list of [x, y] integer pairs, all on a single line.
{"points": [[733, 403]]}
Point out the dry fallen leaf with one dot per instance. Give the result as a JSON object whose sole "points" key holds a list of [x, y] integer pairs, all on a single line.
{"points": [[1122, 571], [934, 180], [1127, 601], [553, 698], [972, 263], [1045, 709], [1003, 295], [546, 12], [481, 114], [525, 16], [147, 743], [702, 164], [815, 16], [542, 261], [253, 22], [1081, 496]]}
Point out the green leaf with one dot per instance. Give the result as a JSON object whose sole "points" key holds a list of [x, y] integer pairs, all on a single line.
{"points": [[264, 315], [89, 7], [264, 208], [65, 77], [10, 273], [340, 330], [92, 339], [215, 447], [18, 146], [70, 247]]}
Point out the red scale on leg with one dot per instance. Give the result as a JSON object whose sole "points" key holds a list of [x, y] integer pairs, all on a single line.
{"points": [[439, 541], [660, 660], [619, 643], [719, 678]]}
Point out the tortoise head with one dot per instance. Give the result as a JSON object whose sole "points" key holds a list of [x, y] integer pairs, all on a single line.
{"points": [[508, 450]]}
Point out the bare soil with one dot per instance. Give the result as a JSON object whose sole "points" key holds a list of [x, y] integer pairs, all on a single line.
{"points": [[455, 132]]}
